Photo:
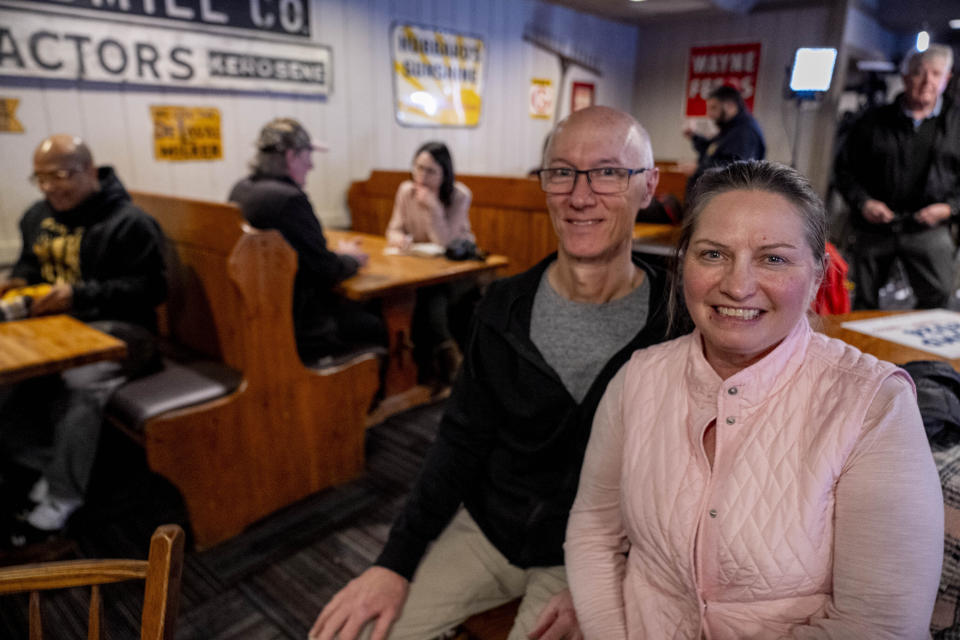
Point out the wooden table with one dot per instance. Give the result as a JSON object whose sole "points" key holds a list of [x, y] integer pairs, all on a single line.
{"points": [[394, 280], [883, 349], [656, 239], [38, 346]]}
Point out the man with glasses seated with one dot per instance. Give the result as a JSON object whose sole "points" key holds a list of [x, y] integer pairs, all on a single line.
{"points": [[485, 522], [100, 259]]}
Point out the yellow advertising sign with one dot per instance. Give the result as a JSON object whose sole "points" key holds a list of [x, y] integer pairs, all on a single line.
{"points": [[438, 76], [8, 115], [186, 133]]}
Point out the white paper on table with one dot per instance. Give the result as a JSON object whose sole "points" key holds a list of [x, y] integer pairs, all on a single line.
{"points": [[936, 331], [427, 249]]}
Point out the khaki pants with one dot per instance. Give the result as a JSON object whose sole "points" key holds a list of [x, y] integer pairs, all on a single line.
{"points": [[463, 574]]}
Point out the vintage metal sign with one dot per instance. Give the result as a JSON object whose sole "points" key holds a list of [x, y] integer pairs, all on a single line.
{"points": [[438, 76], [149, 53], [736, 65], [186, 133], [8, 115]]}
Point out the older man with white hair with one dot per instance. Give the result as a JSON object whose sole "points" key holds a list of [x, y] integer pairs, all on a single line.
{"points": [[899, 171]]}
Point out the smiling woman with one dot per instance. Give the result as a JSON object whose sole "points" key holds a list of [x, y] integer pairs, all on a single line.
{"points": [[748, 277], [766, 481], [752, 258]]}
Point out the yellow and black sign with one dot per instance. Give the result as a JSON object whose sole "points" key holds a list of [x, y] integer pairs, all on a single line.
{"points": [[8, 115], [186, 133], [438, 76]]}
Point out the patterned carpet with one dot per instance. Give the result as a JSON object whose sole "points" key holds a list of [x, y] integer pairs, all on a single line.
{"points": [[268, 583]]}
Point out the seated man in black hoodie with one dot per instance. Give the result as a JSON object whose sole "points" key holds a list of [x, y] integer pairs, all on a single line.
{"points": [[103, 260], [272, 197]]}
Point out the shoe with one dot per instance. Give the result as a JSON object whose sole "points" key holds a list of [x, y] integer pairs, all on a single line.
{"points": [[22, 543], [52, 513], [23, 534], [39, 491], [41, 525]]}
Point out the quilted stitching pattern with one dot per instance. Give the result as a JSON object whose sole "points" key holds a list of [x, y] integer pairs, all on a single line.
{"points": [[772, 488]]}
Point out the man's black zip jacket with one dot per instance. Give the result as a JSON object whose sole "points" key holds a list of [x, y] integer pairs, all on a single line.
{"points": [[872, 164], [512, 439]]}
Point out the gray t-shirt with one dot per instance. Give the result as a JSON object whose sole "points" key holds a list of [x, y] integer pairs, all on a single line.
{"points": [[578, 338]]}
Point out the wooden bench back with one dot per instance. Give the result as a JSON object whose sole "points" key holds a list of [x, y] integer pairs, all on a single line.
{"points": [[286, 431], [230, 286], [508, 214]]}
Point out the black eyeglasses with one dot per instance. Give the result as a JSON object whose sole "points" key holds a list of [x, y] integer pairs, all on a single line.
{"points": [[52, 177], [602, 180]]}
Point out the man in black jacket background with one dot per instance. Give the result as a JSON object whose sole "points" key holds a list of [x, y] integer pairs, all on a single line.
{"points": [[899, 172], [103, 260], [739, 137], [486, 520], [272, 197]]}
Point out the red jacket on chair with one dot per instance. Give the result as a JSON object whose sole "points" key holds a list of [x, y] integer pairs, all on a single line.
{"points": [[834, 294]]}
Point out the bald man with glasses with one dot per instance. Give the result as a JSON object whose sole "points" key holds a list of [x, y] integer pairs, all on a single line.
{"points": [[102, 259], [485, 522]]}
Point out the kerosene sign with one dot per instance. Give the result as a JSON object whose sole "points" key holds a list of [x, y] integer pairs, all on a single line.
{"points": [[257, 45]]}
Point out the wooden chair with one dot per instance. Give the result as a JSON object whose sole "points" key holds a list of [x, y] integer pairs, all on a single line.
{"points": [[161, 571]]}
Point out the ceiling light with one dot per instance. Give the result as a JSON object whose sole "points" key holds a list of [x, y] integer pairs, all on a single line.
{"points": [[955, 23], [923, 41]]}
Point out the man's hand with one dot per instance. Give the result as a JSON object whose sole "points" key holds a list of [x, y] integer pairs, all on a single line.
{"points": [[933, 214], [877, 212], [12, 283], [558, 620], [375, 593], [59, 300], [352, 248]]}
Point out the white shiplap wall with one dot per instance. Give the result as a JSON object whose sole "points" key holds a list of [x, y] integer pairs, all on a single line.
{"points": [[663, 52], [356, 120]]}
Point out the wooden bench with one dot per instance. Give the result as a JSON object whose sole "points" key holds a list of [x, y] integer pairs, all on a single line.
{"points": [[508, 215], [279, 431]]}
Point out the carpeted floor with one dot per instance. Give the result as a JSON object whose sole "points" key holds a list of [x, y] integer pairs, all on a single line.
{"points": [[268, 583]]}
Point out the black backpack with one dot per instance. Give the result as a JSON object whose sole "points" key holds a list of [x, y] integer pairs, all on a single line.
{"points": [[938, 395]]}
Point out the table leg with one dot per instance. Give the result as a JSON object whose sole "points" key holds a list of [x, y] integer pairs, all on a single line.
{"points": [[398, 316], [401, 390]]}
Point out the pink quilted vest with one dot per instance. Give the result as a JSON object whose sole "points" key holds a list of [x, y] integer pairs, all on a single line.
{"points": [[763, 559]]}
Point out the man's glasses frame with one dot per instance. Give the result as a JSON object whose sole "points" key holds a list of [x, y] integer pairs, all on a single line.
{"points": [[52, 177], [602, 180]]}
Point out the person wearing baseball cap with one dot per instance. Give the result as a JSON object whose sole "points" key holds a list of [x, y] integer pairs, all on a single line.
{"points": [[272, 197]]}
